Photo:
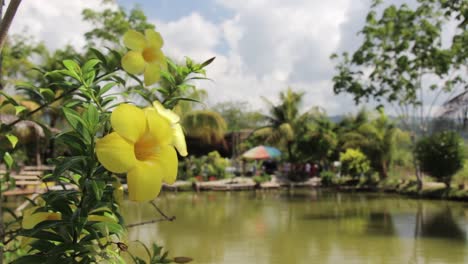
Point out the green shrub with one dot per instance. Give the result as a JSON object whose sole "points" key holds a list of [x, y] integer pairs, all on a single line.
{"points": [[461, 177], [261, 178], [217, 165], [354, 163], [440, 155], [327, 177]]}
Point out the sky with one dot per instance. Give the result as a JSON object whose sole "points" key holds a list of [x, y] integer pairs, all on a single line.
{"points": [[261, 46]]}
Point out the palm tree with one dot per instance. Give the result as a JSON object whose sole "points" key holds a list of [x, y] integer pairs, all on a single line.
{"points": [[321, 139], [377, 139], [284, 123]]}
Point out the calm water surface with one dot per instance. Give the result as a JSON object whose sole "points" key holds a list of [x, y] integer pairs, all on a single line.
{"points": [[304, 226]]}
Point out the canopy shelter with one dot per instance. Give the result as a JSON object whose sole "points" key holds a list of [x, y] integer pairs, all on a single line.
{"points": [[262, 153]]}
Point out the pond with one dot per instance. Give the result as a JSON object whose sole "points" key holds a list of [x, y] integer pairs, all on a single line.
{"points": [[304, 226]]}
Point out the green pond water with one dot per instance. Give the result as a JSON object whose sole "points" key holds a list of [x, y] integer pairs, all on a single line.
{"points": [[304, 226]]}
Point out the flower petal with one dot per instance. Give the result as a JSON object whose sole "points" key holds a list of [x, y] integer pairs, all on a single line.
{"points": [[166, 158], [154, 39], [179, 140], [129, 122], [31, 219], [152, 73], [166, 113], [159, 127], [144, 181], [134, 40], [133, 62], [115, 153]]}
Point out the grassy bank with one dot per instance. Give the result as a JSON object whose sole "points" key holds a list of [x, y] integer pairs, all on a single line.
{"points": [[430, 190]]}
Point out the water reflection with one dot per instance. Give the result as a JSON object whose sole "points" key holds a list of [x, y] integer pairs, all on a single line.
{"points": [[441, 225], [301, 226]]}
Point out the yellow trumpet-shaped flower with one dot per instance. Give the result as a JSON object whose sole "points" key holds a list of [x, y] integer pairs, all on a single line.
{"points": [[32, 218], [178, 133], [142, 147], [145, 55]]}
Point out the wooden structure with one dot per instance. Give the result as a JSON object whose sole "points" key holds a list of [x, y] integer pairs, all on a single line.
{"points": [[27, 180]]}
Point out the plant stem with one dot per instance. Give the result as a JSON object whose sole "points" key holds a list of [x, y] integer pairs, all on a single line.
{"points": [[41, 107]]}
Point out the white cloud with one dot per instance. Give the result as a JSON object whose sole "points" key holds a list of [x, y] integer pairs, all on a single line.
{"points": [[269, 45], [56, 22], [263, 47], [191, 36]]}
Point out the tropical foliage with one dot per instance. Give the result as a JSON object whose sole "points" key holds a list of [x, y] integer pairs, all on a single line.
{"points": [[284, 122], [441, 155], [354, 163]]}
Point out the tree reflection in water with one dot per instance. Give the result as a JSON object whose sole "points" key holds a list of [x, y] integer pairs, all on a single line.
{"points": [[303, 226]]}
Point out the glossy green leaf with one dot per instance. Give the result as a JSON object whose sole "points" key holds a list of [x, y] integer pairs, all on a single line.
{"points": [[12, 139], [91, 117], [72, 66], [90, 65], [19, 109], [48, 94], [8, 160]]}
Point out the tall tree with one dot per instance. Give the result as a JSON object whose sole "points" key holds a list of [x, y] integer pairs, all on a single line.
{"points": [[320, 140], [377, 139], [238, 116], [284, 121], [110, 24], [403, 57]]}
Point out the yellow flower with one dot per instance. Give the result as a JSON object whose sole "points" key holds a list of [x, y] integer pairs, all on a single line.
{"points": [[32, 218], [145, 55], [141, 146], [178, 133]]}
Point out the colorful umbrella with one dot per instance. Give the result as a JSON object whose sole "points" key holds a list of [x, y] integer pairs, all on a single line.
{"points": [[262, 152]]}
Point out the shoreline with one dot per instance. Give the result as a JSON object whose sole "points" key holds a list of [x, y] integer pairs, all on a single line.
{"points": [[431, 190]]}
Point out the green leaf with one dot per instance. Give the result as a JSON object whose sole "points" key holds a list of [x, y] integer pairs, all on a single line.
{"points": [[9, 98], [89, 65], [30, 259], [106, 88], [64, 72], [72, 66], [19, 109], [89, 78], [8, 159], [121, 80], [168, 77], [98, 189], [207, 62], [91, 117], [76, 178], [75, 122], [13, 139], [108, 228], [48, 94], [99, 55], [46, 235], [73, 141], [68, 163]]}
